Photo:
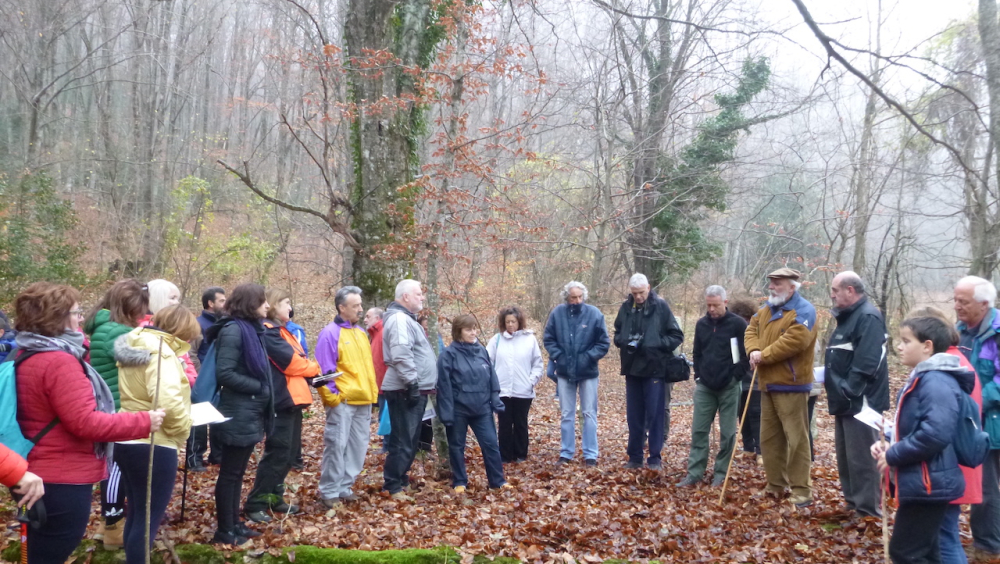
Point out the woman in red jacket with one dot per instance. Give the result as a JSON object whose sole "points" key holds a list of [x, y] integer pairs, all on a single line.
{"points": [[63, 399], [14, 474]]}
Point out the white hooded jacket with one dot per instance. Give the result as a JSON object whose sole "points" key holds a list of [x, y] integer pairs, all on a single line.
{"points": [[518, 362]]}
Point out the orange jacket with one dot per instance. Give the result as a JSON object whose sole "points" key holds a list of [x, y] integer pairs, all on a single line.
{"points": [[298, 369], [12, 467]]}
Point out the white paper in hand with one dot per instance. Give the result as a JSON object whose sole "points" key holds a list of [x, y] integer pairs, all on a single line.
{"points": [[204, 413], [870, 417], [735, 348]]}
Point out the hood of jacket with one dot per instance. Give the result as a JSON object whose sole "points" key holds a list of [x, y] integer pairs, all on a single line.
{"points": [[517, 333], [136, 348], [394, 307], [951, 365]]}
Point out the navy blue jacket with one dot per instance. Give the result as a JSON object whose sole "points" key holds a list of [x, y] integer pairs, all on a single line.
{"points": [[576, 338], [206, 320], [925, 461], [467, 385]]}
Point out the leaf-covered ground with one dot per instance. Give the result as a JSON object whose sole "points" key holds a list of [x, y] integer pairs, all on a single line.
{"points": [[556, 514]]}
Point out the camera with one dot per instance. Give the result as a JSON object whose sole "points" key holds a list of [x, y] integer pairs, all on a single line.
{"points": [[633, 343]]}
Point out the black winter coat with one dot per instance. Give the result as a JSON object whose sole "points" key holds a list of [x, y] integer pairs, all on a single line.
{"points": [[856, 362], [467, 383], [242, 396], [713, 353], [923, 457], [660, 336]]}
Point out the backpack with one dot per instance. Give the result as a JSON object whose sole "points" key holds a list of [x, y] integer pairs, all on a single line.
{"points": [[10, 431], [971, 443], [206, 387]]}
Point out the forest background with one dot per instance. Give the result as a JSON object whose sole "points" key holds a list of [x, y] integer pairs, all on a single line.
{"points": [[496, 150]]}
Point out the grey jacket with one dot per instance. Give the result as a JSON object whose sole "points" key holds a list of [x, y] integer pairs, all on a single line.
{"points": [[409, 357]]}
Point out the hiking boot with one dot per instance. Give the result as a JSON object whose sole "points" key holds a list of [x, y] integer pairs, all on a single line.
{"points": [[688, 482], [655, 466], [285, 508], [244, 531], [401, 496], [801, 501], [590, 462], [331, 503], [460, 489], [506, 487], [718, 481], [228, 537], [114, 535], [259, 516], [349, 498], [633, 465], [563, 461]]}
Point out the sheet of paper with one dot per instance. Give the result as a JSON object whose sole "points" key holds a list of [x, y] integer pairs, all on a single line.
{"points": [[429, 412], [870, 417], [204, 413], [819, 374], [326, 377], [734, 345]]}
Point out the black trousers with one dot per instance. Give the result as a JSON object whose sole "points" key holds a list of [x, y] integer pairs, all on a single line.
{"points": [[513, 428], [215, 454], [67, 510], [274, 464], [229, 485], [915, 534], [406, 425], [135, 466], [197, 445], [751, 427], [297, 416], [113, 494]]}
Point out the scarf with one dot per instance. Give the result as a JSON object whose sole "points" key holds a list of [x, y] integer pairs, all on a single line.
{"points": [[72, 342], [253, 351]]}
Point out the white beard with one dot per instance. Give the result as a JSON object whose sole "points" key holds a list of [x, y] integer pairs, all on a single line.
{"points": [[778, 300]]}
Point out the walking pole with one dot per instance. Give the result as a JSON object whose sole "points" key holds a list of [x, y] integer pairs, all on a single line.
{"points": [[739, 429], [184, 488], [152, 434], [884, 482]]}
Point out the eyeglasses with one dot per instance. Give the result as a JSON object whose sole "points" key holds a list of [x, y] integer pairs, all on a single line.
{"points": [[76, 312]]}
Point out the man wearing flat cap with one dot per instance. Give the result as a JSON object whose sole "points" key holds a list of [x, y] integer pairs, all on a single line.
{"points": [[781, 340]]}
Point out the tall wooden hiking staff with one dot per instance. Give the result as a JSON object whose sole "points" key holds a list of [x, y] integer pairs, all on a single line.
{"points": [[732, 455], [152, 449]]}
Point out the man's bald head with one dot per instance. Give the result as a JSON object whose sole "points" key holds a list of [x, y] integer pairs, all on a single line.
{"points": [[846, 289]]}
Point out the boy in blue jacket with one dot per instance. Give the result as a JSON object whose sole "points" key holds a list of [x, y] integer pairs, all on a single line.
{"points": [[921, 459]]}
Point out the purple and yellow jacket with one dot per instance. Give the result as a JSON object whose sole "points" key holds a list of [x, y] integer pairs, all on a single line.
{"points": [[786, 338], [343, 347]]}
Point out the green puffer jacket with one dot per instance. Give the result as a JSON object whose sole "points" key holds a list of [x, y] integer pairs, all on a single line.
{"points": [[103, 333]]}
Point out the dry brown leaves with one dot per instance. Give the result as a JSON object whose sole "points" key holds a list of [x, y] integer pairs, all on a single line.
{"points": [[558, 514]]}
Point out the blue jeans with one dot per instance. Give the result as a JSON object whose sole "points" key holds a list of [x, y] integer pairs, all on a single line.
{"points": [[588, 405], [486, 433], [644, 398], [949, 541]]}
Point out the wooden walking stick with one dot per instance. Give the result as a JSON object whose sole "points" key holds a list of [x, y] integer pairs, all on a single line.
{"points": [[732, 455], [152, 449]]}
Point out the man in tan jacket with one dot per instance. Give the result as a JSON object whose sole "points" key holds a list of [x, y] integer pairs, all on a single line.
{"points": [[781, 340]]}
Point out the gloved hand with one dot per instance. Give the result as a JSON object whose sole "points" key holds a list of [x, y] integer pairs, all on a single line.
{"points": [[498, 406], [412, 394]]}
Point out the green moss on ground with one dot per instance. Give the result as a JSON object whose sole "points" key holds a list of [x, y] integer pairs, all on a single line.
{"points": [[208, 554]]}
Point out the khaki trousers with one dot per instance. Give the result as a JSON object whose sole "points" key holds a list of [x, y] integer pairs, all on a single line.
{"points": [[784, 441]]}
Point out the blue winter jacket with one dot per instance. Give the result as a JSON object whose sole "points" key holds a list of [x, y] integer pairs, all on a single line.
{"points": [[923, 457], [576, 338], [980, 349], [467, 384]]}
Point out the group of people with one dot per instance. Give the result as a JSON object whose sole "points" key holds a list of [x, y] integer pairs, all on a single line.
{"points": [[125, 373]]}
